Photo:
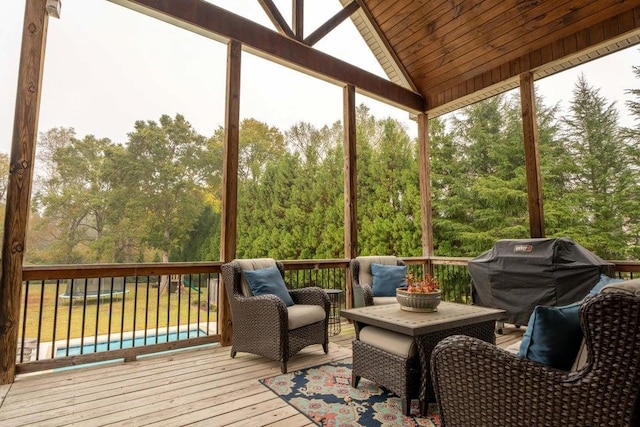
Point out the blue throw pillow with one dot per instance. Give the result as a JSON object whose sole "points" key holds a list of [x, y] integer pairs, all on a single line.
{"points": [[553, 336], [386, 278], [268, 281], [604, 281]]}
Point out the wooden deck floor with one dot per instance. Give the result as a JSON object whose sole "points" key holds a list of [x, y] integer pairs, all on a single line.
{"points": [[202, 386]]}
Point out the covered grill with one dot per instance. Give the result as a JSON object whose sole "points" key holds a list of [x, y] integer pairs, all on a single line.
{"points": [[517, 275]]}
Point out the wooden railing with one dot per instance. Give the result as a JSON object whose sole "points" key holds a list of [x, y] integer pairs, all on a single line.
{"points": [[81, 314], [78, 314]]}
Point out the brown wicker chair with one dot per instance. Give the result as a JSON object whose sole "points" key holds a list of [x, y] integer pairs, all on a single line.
{"points": [[477, 384], [362, 282], [264, 325]]}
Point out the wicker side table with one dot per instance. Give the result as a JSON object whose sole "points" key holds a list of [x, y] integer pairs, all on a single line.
{"points": [[335, 297]]}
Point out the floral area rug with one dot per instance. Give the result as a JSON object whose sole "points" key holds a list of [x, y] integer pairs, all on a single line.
{"points": [[324, 394]]}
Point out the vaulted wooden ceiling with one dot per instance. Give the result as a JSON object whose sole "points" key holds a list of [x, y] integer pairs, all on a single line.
{"points": [[456, 51]]}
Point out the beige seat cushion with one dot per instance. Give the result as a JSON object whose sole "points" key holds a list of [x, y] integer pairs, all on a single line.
{"points": [[384, 300], [304, 314], [629, 287], [364, 277], [252, 264], [389, 341]]}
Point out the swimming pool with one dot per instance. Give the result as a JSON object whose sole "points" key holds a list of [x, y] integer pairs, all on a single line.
{"points": [[116, 344]]}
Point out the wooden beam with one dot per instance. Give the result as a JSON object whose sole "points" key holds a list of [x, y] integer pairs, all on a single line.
{"points": [[350, 181], [426, 221], [229, 212], [297, 21], [219, 24], [276, 18], [531, 154], [23, 148], [332, 23]]}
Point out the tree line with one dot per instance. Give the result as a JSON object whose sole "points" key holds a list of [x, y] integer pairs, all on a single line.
{"points": [[157, 197]]}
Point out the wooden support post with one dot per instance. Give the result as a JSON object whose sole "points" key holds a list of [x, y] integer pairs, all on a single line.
{"points": [[350, 184], [297, 21], [532, 155], [426, 221], [230, 181], [23, 147]]}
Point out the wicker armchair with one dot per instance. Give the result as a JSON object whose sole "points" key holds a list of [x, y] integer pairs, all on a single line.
{"points": [[477, 384], [362, 280], [264, 325]]}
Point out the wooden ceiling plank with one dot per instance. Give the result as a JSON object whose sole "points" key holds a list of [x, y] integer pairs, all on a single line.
{"points": [[429, 28], [534, 62], [488, 17], [495, 74], [583, 41], [596, 33], [625, 23], [611, 27], [415, 15], [332, 23], [482, 59], [482, 55], [508, 79], [276, 18], [547, 54], [219, 24], [385, 7], [491, 36], [558, 48]]}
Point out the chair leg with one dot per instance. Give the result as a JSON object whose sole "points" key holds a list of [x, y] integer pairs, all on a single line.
{"points": [[233, 353], [283, 367], [355, 379], [325, 347], [406, 407]]}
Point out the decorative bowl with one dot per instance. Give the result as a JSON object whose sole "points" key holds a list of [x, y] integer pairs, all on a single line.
{"points": [[416, 301]]}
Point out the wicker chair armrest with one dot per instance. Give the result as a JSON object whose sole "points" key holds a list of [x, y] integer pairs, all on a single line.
{"points": [[477, 383], [367, 294], [263, 309], [311, 295]]}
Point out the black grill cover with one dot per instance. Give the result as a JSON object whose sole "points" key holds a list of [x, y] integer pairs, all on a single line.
{"points": [[517, 275]]}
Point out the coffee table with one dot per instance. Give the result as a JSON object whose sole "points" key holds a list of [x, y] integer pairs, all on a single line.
{"points": [[428, 329]]}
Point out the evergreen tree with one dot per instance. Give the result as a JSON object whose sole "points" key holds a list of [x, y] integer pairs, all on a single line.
{"points": [[603, 180]]}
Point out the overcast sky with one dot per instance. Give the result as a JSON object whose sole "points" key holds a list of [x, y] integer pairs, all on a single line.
{"points": [[107, 66]]}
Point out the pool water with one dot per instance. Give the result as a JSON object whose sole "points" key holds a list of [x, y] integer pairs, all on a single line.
{"points": [[128, 343]]}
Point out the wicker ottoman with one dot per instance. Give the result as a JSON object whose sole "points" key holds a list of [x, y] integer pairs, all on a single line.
{"points": [[390, 360]]}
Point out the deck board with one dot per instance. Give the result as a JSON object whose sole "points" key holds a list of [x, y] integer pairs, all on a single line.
{"points": [[199, 386]]}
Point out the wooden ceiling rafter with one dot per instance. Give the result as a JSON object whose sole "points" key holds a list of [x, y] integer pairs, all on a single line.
{"points": [[276, 18], [331, 23], [297, 19], [209, 20]]}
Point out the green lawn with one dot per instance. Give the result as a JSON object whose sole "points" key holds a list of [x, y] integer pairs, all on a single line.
{"points": [[166, 309]]}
